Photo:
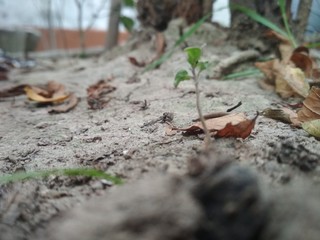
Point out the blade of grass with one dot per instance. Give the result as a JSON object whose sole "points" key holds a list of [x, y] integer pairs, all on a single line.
{"points": [[282, 5], [258, 18], [313, 45], [245, 73], [21, 176], [168, 54]]}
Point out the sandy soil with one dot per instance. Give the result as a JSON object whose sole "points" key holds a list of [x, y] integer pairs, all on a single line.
{"points": [[127, 138]]}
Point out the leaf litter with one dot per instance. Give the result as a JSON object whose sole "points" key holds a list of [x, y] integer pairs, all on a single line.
{"points": [[96, 94], [289, 73], [235, 125], [52, 93]]}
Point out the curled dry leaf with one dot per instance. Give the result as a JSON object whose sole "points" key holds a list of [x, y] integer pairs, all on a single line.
{"points": [[284, 115], [312, 127], [232, 125], [97, 92], [241, 130], [294, 78], [302, 61], [13, 91], [311, 106], [71, 103], [289, 72], [267, 69], [136, 63], [33, 95]]}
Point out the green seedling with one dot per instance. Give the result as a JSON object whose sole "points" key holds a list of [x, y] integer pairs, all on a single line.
{"points": [[181, 40], [196, 67], [87, 172]]}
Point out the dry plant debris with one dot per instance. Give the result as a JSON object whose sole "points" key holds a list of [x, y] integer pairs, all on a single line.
{"points": [[136, 63], [51, 93], [97, 92], [13, 91], [290, 73], [235, 125], [71, 103], [311, 106]]}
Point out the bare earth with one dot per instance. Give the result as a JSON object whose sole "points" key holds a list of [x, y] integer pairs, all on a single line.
{"points": [[127, 138]]}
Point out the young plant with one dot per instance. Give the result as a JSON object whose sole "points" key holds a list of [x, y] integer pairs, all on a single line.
{"points": [[196, 67]]}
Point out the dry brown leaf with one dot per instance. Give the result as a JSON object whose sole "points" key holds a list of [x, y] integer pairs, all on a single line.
{"points": [[283, 88], [136, 63], [284, 115], [241, 130], [303, 62], [13, 91], [267, 69], [71, 103], [56, 89], [97, 92], [290, 81], [297, 81], [311, 106], [232, 125], [33, 95]]}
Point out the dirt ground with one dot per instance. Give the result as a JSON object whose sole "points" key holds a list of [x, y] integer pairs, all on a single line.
{"points": [[277, 163]]}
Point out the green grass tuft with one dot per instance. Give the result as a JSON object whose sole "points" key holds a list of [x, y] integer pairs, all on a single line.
{"points": [[22, 176], [241, 74]]}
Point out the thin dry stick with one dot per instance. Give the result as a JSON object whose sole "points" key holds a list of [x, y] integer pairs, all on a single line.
{"points": [[207, 139]]}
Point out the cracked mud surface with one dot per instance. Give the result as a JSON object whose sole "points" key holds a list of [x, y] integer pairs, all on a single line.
{"points": [[127, 138]]}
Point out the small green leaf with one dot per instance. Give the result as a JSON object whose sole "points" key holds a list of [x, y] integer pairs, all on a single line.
{"points": [[312, 127], [203, 65], [128, 3], [182, 75], [127, 22], [182, 39], [194, 54]]}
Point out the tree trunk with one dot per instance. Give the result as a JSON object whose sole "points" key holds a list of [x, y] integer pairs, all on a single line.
{"points": [[52, 35], [82, 36], [113, 25]]}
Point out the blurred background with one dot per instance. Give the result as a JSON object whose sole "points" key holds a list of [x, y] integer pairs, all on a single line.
{"points": [[50, 27]]}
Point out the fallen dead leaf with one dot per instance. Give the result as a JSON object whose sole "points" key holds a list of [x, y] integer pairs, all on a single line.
{"points": [[312, 127], [284, 115], [33, 95], [267, 69], [71, 103], [289, 73], [13, 91], [232, 125], [295, 78], [311, 106], [241, 130], [136, 63], [303, 62], [97, 92]]}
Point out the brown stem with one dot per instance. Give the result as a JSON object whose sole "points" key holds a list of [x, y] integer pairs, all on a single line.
{"points": [[207, 139]]}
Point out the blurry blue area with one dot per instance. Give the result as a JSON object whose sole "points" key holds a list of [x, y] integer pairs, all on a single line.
{"points": [[314, 19]]}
